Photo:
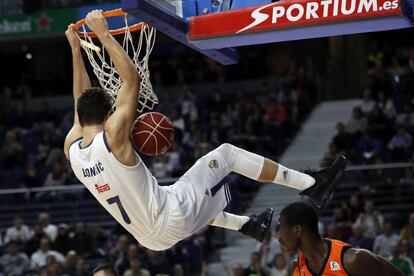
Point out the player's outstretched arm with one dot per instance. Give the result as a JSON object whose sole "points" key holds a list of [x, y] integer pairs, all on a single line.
{"points": [[127, 98], [360, 262], [81, 82]]}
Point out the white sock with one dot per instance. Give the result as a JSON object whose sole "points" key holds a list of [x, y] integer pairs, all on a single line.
{"points": [[293, 179], [229, 221]]}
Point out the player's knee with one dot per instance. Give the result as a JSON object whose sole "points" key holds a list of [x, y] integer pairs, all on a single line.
{"points": [[225, 149]]}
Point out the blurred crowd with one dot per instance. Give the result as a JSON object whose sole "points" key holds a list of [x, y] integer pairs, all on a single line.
{"points": [[381, 127], [58, 250], [379, 131]]}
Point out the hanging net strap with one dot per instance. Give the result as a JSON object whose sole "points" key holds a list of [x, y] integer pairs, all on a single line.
{"points": [[139, 52]]}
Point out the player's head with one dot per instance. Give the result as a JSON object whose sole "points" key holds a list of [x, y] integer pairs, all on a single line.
{"points": [[105, 270], [297, 221], [93, 106]]}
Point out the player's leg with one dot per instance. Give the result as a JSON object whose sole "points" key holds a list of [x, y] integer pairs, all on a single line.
{"points": [[254, 226], [229, 221], [262, 169]]}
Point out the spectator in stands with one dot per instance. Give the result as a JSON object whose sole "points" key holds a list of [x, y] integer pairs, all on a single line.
{"points": [[158, 263], [134, 252], [358, 240], [268, 249], [331, 232], [367, 103], [14, 261], [377, 123], [401, 262], [370, 220], [353, 208], [342, 224], [82, 268], [119, 256], [406, 118], [279, 266], [55, 178], [275, 113], [395, 68], [254, 267], [386, 105], [190, 254], [33, 243], [19, 232], [215, 103], [407, 181], [62, 242], [69, 267], [43, 149], [385, 242], [342, 139], [30, 178], [52, 268], [358, 123], [407, 233], [330, 155], [136, 269], [368, 146], [12, 154], [49, 229], [400, 145], [82, 241], [105, 270], [39, 258]]}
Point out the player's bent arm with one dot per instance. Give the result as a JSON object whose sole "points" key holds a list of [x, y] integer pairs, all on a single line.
{"points": [[127, 97], [360, 262], [81, 82], [119, 124]]}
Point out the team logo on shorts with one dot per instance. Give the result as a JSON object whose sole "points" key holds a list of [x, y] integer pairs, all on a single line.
{"points": [[213, 164]]}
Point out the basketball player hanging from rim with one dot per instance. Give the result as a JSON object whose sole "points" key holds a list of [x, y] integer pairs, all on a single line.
{"points": [[103, 159]]}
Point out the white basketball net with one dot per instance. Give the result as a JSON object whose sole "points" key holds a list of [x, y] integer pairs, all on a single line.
{"points": [[106, 73]]}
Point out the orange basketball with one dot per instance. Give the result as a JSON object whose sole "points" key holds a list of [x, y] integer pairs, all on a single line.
{"points": [[152, 134]]}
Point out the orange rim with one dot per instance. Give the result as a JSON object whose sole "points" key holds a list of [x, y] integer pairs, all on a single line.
{"points": [[112, 13]]}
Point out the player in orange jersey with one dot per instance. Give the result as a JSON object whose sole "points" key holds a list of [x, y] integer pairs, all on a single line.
{"points": [[298, 230]]}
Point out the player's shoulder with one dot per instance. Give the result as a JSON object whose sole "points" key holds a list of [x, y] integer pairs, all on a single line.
{"points": [[364, 262], [353, 254], [355, 258]]}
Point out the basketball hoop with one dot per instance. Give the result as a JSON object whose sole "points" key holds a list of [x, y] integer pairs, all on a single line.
{"points": [[139, 53]]}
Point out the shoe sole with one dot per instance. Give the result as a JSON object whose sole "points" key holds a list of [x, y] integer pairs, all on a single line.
{"points": [[340, 165], [267, 223]]}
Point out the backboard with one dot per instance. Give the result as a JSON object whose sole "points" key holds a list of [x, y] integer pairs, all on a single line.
{"points": [[166, 16]]}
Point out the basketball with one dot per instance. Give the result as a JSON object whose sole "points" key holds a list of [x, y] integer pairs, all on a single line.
{"points": [[152, 134]]}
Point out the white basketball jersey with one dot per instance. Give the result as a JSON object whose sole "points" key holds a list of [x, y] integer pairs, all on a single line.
{"points": [[129, 193]]}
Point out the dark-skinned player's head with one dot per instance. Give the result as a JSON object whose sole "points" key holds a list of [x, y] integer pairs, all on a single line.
{"points": [[93, 106], [105, 270], [297, 221]]}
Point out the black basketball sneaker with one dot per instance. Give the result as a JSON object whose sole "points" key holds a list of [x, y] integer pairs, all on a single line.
{"points": [[325, 181]]}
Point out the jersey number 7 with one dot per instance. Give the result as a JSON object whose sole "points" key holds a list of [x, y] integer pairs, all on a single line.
{"points": [[118, 202]]}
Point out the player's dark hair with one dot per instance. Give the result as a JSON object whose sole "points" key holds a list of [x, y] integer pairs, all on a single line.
{"points": [[108, 269], [300, 213], [93, 105]]}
